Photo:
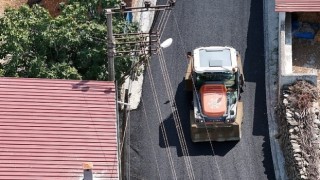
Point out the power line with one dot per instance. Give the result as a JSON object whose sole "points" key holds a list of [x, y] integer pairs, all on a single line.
{"points": [[176, 116], [160, 28], [152, 143], [194, 88], [124, 9], [160, 117]]}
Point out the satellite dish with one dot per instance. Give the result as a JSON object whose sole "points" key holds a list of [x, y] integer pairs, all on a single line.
{"points": [[166, 43]]}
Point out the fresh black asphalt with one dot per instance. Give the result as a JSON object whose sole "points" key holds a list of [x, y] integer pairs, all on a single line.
{"points": [[236, 23]]}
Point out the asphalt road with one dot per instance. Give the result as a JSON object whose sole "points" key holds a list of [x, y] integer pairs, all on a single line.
{"points": [[203, 23]]}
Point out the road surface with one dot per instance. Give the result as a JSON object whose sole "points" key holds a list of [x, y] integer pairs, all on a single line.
{"points": [[192, 24]]}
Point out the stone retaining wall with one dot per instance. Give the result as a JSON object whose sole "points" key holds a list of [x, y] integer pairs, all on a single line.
{"points": [[299, 131]]}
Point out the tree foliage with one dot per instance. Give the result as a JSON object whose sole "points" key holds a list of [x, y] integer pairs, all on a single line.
{"points": [[69, 46]]}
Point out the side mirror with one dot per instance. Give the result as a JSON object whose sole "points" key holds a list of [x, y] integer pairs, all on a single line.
{"points": [[241, 79], [231, 112], [147, 4], [235, 69], [172, 3]]}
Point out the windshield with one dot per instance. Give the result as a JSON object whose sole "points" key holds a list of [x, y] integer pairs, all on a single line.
{"points": [[217, 76], [225, 77]]}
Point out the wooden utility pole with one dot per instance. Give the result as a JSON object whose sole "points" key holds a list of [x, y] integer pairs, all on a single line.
{"points": [[111, 48], [124, 9]]}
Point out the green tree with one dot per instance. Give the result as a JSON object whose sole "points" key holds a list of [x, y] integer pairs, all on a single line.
{"points": [[69, 46]]}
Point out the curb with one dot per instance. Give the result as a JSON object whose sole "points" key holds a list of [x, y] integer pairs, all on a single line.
{"points": [[145, 20], [271, 21], [131, 91]]}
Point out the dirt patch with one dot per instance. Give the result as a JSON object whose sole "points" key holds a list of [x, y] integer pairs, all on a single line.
{"points": [[52, 6], [306, 56], [10, 3]]}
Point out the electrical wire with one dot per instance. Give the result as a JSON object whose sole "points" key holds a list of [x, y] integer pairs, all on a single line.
{"points": [[148, 127], [93, 124], [127, 127], [152, 143], [176, 116], [197, 96], [163, 22], [161, 26], [160, 117], [163, 130]]}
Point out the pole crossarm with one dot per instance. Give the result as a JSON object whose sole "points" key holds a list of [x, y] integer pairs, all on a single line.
{"points": [[147, 7], [139, 43]]}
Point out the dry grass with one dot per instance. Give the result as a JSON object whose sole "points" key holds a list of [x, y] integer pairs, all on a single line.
{"points": [[303, 94]]}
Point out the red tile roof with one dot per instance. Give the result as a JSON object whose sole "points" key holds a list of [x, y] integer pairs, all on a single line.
{"points": [[48, 128], [298, 5]]}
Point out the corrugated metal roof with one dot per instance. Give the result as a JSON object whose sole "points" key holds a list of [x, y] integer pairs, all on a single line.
{"points": [[48, 128], [298, 5]]}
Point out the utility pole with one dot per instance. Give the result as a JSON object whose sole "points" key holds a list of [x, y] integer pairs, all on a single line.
{"points": [[111, 49], [142, 40], [111, 39]]}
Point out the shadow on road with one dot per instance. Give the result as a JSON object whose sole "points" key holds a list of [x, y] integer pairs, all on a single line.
{"points": [[183, 100], [254, 70]]}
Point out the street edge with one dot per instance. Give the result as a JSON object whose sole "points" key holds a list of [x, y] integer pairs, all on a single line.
{"points": [[132, 89], [270, 16]]}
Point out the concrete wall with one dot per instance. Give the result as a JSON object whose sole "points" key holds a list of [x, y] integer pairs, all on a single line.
{"points": [[285, 72]]}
